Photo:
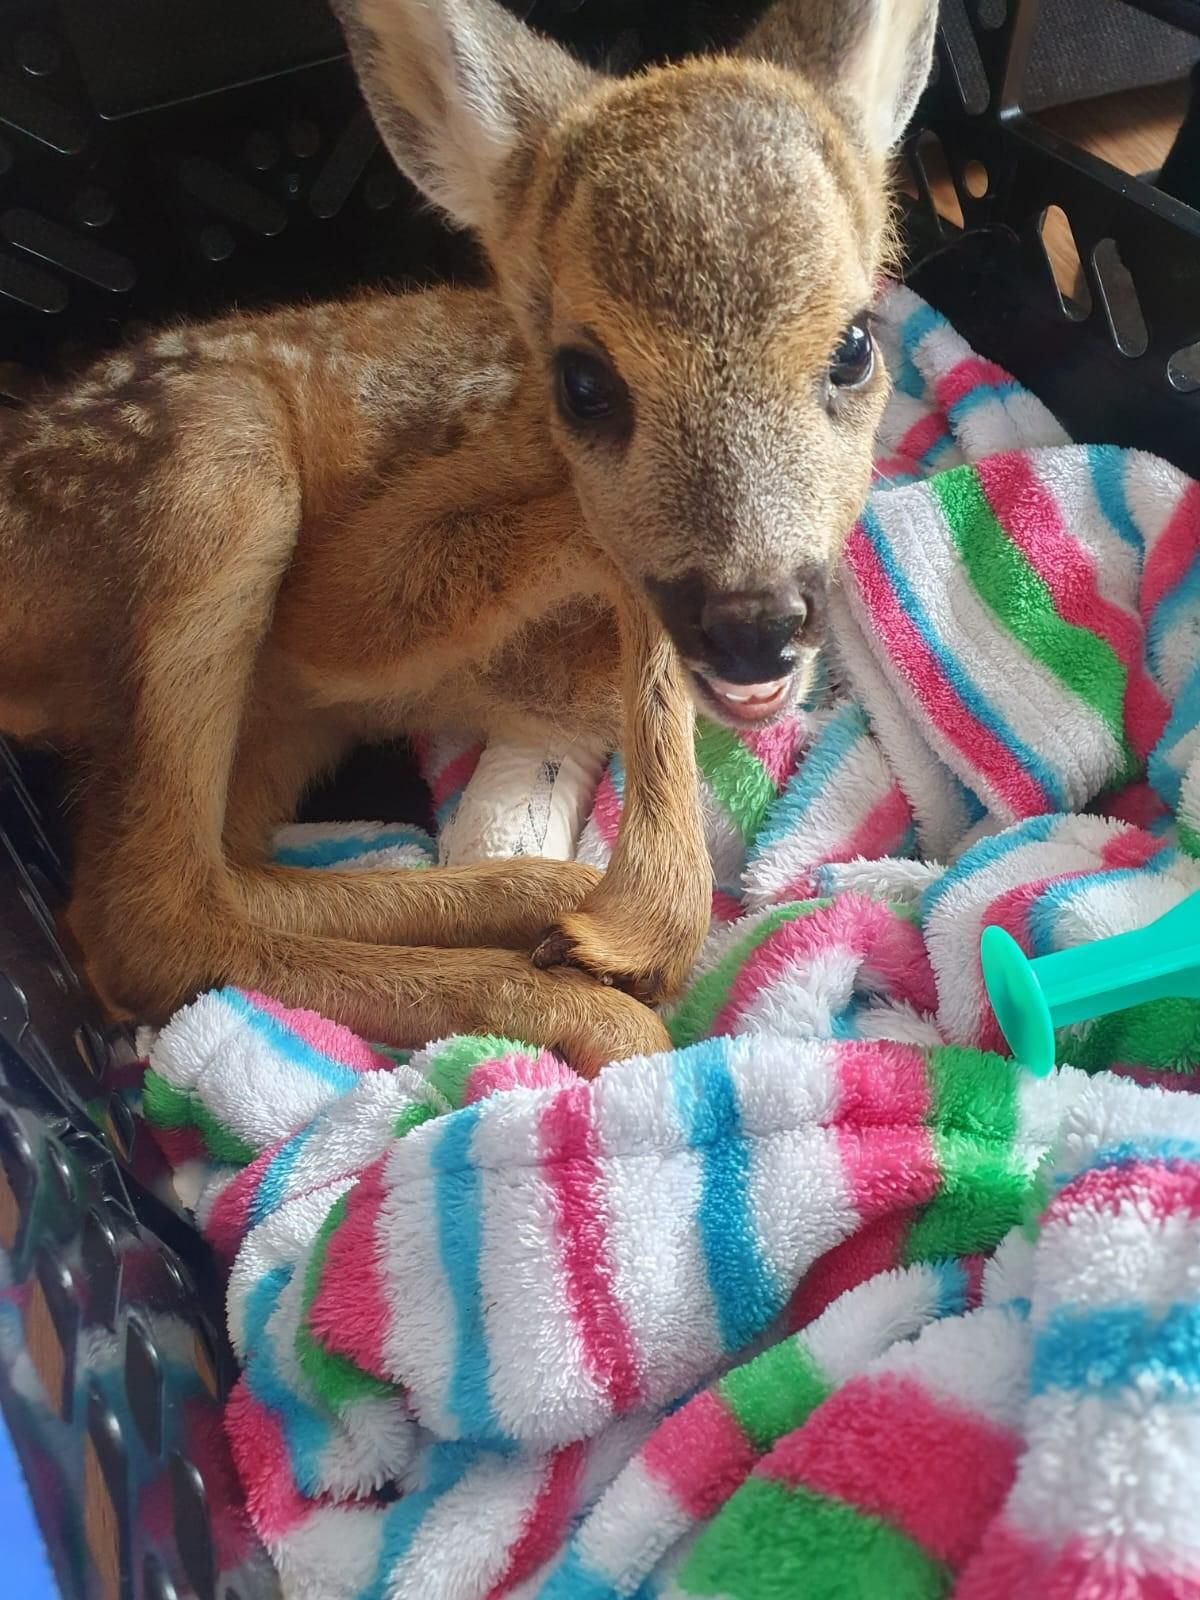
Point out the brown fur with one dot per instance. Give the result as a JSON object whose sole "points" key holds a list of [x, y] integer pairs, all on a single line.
{"points": [[231, 552]]}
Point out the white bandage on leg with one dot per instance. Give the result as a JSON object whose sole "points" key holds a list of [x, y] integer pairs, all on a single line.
{"points": [[524, 800]]}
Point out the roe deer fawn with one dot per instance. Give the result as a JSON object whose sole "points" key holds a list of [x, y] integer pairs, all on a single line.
{"points": [[610, 487]]}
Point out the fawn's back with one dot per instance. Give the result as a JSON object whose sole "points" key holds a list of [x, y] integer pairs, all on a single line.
{"points": [[679, 331]]}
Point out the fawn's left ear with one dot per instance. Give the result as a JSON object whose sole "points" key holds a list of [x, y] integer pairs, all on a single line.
{"points": [[455, 88], [874, 55]]}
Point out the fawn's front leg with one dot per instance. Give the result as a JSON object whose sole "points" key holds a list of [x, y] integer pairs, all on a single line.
{"points": [[642, 927]]}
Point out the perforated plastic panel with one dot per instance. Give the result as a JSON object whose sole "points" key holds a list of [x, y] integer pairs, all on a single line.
{"points": [[146, 172], [112, 1363]]}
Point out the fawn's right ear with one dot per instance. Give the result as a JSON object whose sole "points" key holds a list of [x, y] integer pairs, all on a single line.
{"points": [[875, 55], [455, 88]]}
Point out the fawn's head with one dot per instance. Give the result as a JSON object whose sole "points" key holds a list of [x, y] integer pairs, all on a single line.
{"points": [[691, 255]]}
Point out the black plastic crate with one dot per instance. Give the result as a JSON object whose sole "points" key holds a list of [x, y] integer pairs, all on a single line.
{"points": [[162, 160]]}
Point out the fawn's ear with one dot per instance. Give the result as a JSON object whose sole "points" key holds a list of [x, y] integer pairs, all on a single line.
{"points": [[875, 54], [455, 88]]}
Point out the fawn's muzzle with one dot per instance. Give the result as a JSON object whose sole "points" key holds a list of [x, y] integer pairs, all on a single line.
{"points": [[744, 645], [755, 637]]}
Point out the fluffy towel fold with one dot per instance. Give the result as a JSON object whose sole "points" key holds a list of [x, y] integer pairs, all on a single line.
{"points": [[831, 1299]]}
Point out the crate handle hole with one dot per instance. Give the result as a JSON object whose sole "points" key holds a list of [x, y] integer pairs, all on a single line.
{"points": [[1120, 297], [1183, 369], [976, 180], [930, 155], [1066, 268]]}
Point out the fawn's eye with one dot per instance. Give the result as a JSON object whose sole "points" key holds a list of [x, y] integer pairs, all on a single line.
{"points": [[587, 389], [853, 362]]}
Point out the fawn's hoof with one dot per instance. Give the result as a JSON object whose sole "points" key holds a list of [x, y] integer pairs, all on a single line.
{"points": [[589, 945]]}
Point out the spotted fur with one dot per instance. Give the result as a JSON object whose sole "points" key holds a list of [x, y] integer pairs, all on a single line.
{"points": [[231, 551]]}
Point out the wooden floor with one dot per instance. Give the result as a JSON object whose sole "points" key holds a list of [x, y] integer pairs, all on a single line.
{"points": [[1133, 131]]}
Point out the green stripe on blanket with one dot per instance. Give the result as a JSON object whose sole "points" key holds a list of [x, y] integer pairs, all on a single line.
{"points": [[1019, 598], [817, 1545]]}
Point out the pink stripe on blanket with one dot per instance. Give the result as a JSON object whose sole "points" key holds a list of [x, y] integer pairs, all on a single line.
{"points": [[918, 440], [1009, 911], [889, 467], [1031, 519], [877, 835], [571, 1166], [1163, 1078], [888, 1168], [1157, 1189], [881, 1084], [606, 810], [971, 373], [888, 1448], [852, 923], [547, 1523], [1174, 551], [1128, 850], [518, 1071], [229, 1216], [876, 1248], [898, 963], [1137, 803], [775, 748], [726, 907], [328, 1038], [264, 1464], [350, 1314], [700, 1456], [981, 751], [1011, 1565], [180, 1145], [445, 782]]}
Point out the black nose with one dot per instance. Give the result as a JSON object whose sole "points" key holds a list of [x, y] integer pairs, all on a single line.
{"points": [[753, 636]]}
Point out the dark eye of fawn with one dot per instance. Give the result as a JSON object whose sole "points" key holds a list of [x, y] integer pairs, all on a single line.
{"points": [[587, 388], [853, 362]]}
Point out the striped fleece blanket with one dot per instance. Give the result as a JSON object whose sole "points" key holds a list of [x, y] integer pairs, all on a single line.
{"points": [[833, 1299]]}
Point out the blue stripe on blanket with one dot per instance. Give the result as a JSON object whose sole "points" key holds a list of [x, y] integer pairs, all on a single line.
{"points": [[295, 1051], [812, 778], [745, 1294], [914, 328], [1133, 1152], [1107, 468], [616, 772], [306, 1431], [1044, 913], [448, 1465], [968, 691], [572, 1579], [1164, 772], [985, 854], [1155, 1353], [332, 852], [458, 1203], [273, 1186], [953, 1288], [939, 447], [982, 394]]}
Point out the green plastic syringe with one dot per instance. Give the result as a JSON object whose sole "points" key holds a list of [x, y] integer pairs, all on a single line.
{"points": [[1031, 998]]}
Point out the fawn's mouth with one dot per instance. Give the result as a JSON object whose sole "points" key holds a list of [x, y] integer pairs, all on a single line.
{"points": [[746, 705]]}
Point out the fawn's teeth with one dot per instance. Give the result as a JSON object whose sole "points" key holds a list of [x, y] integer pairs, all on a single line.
{"points": [[748, 693], [750, 703]]}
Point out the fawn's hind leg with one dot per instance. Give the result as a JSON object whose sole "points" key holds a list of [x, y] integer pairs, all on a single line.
{"points": [[160, 915], [505, 903]]}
